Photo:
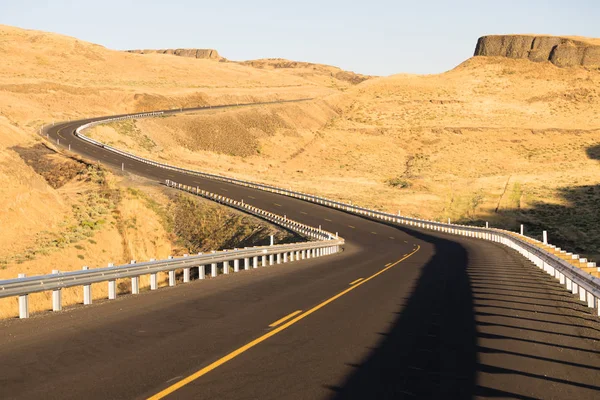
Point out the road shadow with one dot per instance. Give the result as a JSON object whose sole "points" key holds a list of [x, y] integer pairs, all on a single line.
{"points": [[480, 322], [430, 352]]}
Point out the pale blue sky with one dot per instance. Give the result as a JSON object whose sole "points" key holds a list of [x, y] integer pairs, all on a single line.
{"points": [[378, 37]]}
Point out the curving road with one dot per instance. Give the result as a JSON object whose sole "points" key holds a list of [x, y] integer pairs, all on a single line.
{"points": [[399, 314]]}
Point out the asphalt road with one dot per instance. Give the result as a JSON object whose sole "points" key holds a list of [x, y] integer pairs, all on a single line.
{"points": [[400, 313]]}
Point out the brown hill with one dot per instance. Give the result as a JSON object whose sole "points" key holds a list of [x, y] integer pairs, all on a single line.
{"points": [[51, 212], [503, 140], [560, 51]]}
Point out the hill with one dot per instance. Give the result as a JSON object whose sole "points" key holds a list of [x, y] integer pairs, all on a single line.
{"points": [[505, 140], [500, 139], [62, 213]]}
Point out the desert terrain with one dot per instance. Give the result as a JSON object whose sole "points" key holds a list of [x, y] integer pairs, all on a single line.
{"points": [[503, 140], [498, 139], [61, 213]]}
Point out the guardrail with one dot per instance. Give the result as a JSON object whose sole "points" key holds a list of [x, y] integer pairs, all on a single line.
{"points": [[575, 280], [325, 243]]}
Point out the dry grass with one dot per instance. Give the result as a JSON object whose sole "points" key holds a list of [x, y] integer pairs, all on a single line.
{"points": [[503, 140], [494, 139], [46, 210]]}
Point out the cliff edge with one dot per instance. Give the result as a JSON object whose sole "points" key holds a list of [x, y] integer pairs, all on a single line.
{"points": [[208, 54], [560, 51]]}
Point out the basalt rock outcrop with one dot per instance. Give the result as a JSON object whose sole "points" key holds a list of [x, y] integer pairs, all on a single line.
{"points": [[560, 51], [208, 54]]}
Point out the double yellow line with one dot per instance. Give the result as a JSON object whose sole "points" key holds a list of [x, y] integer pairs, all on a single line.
{"points": [[248, 346]]}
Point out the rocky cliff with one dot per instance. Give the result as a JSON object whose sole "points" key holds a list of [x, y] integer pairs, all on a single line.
{"points": [[209, 54], [560, 51]]}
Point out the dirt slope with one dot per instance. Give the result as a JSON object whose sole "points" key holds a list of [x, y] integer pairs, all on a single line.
{"points": [[498, 139], [504, 140], [50, 212]]}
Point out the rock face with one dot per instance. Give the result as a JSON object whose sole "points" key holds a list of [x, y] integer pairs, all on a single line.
{"points": [[560, 51], [209, 54]]}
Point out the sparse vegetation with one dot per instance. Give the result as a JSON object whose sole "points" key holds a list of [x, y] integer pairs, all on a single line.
{"points": [[398, 182], [200, 226]]}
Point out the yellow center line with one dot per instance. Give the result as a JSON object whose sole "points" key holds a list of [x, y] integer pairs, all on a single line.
{"points": [[248, 346], [350, 226], [374, 233], [356, 281], [252, 197], [388, 264], [391, 237], [278, 205], [279, 321], [328, 220], [224, 189], [302, 212]]}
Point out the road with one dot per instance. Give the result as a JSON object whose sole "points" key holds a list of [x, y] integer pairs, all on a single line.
{"points": [[400, 313]]}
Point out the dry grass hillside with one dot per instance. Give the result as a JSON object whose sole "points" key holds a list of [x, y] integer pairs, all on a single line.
{"points": [[504, 140], [60, 213]]}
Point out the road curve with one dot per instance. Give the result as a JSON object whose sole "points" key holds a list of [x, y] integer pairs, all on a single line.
{"points": [[401, 313]]}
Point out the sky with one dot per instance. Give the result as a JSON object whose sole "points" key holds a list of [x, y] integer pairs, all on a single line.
{"points": [[376, 37]]}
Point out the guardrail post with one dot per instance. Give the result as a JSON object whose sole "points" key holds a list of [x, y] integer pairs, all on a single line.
{"points": [[272, 240], [186, 272], [23, 303], [135, 282], [303, 254], [153, 279], [545, 236], [87, 290], [213, 270], [263, 260], [172, 278], [278, 258], [246, 263], [56, 296], [112, 286], [285, 257], [255, 262], [226, 267], [271, 259], [236, 265], [521, 229]]}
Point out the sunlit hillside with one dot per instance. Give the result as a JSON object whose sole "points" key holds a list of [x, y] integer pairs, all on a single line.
{"points": [[496, 139], [57, 213], [503, 140]]}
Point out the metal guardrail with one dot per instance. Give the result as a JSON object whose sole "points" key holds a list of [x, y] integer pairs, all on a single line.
{"points": [[325, 243], [575, 280], [61, 280]]}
